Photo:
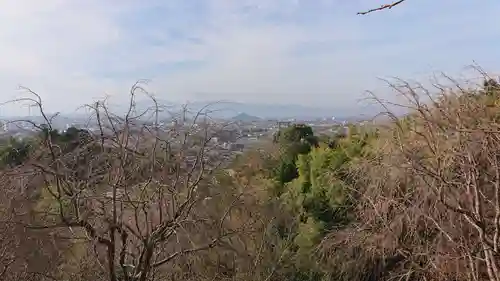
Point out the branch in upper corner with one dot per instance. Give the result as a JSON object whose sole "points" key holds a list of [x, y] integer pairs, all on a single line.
{"points": [[383, 7]]}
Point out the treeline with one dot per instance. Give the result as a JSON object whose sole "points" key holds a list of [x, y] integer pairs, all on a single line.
{"points": [[413, 198], [15, 151]]}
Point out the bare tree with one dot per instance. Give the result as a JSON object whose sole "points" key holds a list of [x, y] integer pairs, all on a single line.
{"points": [[429, 207], [25, 254], [134, 191], [7, 243]]}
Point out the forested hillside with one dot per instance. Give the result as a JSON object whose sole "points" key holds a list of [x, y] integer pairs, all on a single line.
{"points": [[416, 198]]}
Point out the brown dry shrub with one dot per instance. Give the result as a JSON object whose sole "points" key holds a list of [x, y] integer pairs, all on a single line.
{"points": [[139, 200], [429, 197], [25, 253]]}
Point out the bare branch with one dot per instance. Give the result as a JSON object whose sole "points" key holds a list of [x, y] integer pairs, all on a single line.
{"points": [[383, 7]]}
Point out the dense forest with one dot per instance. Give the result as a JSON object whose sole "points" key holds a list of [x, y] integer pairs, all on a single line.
{"points": [[410, 198]]}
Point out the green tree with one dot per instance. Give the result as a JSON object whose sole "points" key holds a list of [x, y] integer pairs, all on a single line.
{"points": [[15, 152], [321, 197], [293, 141], [68, 140], [297, 133]]}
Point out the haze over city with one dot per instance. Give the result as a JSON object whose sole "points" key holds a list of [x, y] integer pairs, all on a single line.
{"points": [[314, 53]]}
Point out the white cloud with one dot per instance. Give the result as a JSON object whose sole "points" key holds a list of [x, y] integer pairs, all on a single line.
{"points": [[288, 51], [43, 43]]}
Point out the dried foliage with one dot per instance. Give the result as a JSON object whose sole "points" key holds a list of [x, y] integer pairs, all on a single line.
{"points": [[429, 200], [137, 200]]}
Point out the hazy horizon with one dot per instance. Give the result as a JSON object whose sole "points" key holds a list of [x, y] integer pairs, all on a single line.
{"points": [[221, 109], [310, 53]]}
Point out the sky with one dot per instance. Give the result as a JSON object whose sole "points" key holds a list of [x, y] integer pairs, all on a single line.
{"points": [[307, 52]]}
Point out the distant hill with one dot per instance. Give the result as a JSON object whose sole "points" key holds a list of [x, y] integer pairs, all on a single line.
{"points": [[243, 117], [230, 109]]}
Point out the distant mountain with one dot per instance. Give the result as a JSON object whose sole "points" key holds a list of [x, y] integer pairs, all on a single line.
{"points": [[243, 117], [230, 109]]}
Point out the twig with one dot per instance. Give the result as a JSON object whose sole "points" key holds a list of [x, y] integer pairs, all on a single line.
{"points": [[383, 7]]}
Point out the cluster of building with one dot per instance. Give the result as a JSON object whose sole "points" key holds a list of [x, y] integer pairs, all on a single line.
{"points": [[233, 138]]}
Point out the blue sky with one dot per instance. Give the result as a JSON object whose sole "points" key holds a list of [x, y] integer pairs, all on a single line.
{"points": [[312, 52]]}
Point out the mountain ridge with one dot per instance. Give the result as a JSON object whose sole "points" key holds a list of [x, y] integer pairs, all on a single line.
{"points": [[245, 118], [228, 109]]}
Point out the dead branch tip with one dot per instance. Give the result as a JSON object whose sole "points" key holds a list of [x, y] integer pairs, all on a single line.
{"points": [[383, 7]]}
